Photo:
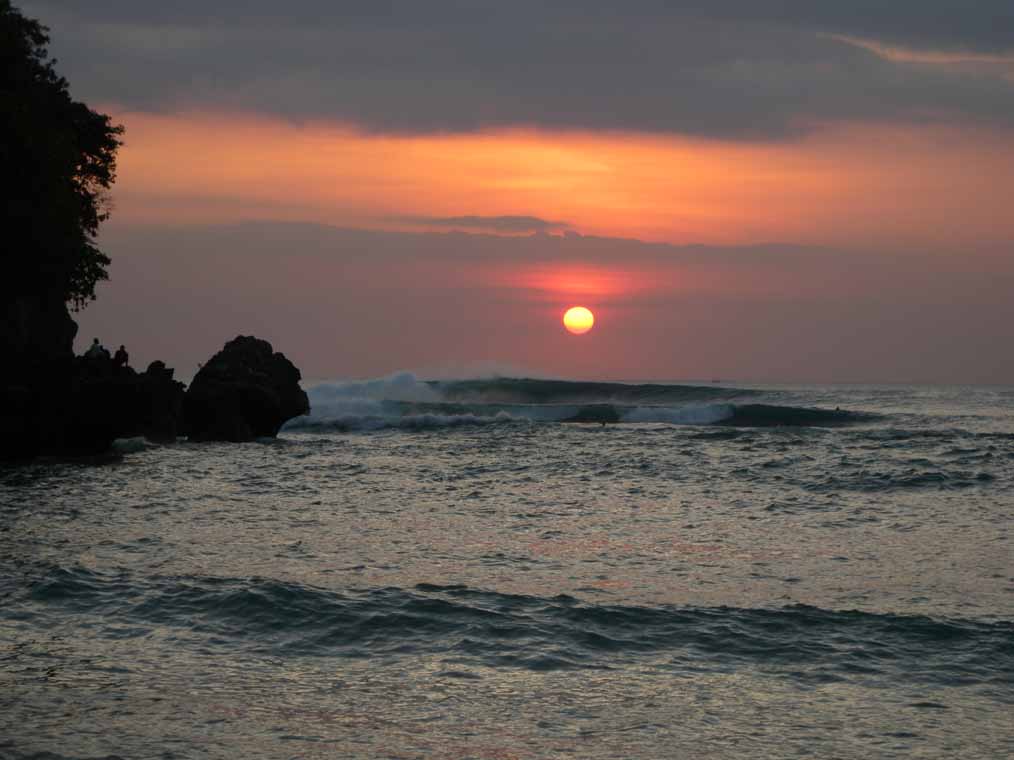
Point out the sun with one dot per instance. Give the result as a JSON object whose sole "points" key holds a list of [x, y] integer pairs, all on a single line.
{"points": [[578, 320]]}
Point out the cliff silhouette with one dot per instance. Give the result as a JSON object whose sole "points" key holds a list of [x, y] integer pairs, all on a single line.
{"points": [[57, 164]]}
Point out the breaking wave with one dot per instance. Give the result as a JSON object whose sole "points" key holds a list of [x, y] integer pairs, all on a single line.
{"points": [[402, 401]]}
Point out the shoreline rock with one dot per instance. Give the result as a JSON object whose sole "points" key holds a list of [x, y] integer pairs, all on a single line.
{"points": [[53, 403], [245, 391]]}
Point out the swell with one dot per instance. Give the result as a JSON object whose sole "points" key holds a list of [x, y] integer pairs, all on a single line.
{"points": [[409, 419], [412, 415], [769, 415], [537, 633], [534, 391], [402, 401]]}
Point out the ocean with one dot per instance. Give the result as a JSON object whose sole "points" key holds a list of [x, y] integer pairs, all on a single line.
{"points": [[518, 569]]}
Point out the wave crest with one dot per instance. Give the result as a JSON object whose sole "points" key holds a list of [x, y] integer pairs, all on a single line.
{"points": [[401, 401], [537, 632]]}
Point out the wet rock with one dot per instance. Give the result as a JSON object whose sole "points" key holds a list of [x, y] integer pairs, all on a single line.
{"points": [[79, 406], [245, 391], [53, 403], [107, 402], [161, 412]]}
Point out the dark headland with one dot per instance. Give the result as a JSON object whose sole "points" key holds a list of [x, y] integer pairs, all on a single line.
{"points": [[55, 403], [57, 164]]}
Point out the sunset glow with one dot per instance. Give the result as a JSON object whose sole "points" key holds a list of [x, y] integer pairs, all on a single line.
{"points": [[667, 189], [674, 178], [507, 379]]}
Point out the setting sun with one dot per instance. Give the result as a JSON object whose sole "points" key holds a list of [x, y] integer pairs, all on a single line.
{"points": [[578, 320]]}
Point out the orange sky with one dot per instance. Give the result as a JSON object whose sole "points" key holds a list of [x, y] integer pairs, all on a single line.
{"points": [[735, 190], [858, 185], [890, 255]]}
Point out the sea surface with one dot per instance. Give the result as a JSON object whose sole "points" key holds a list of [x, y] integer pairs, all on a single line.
{"points": [[520, 569]]}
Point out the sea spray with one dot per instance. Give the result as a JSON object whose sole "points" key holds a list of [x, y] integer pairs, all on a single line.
{"points": [[402, 400]]}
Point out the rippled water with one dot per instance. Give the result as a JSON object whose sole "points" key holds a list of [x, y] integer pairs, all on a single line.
{"points": [[516, 588]]}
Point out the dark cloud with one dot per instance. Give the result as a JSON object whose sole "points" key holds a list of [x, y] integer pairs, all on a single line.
{"points": [[486, 223], [726, 68], [984, 25]]}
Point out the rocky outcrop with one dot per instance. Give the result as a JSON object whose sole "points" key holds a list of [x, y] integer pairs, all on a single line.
{"points": [[54, 403], [245, 391], [80, 407], [36, 341], [161, 412], [109, 402]]}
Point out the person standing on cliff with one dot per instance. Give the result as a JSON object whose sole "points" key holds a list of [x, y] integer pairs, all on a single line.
{"points": [[96, 351], [121, 358]]}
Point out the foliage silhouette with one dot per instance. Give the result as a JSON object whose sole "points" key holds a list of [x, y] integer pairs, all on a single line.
{"points": [[57, 162]]}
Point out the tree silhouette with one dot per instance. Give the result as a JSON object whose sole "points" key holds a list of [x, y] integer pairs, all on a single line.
{"points": [[57, 162]]}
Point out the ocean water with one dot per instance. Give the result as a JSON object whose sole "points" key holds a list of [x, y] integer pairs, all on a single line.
{"points": [[526, 569]]}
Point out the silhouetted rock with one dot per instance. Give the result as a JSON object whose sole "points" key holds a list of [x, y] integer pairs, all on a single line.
{"points": [[58, 160], [35, 329], [245, 391], [161, 411], [36, 341], [52, 402], [104, 402]]}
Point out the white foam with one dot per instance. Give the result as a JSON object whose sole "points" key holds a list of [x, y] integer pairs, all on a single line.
{"points": [[379, 404], [401, 386], [387, 402], [353, 404]]}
